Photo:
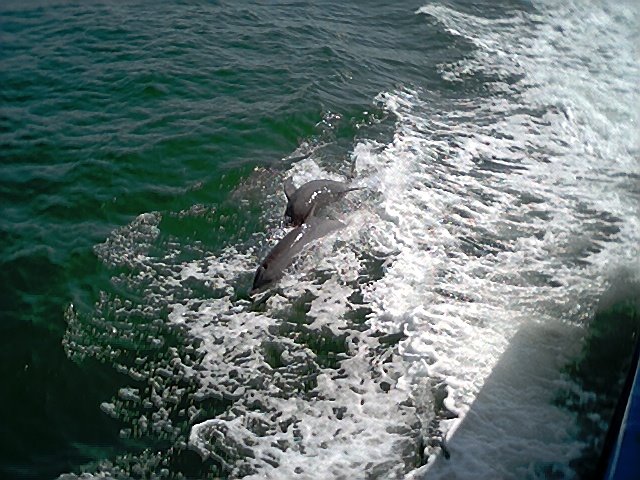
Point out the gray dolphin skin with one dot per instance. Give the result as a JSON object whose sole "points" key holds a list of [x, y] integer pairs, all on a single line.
{"points": [[316, 193], [285, 251]]}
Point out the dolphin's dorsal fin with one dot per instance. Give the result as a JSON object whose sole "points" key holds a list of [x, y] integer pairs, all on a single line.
{"points": [[289, 187]]}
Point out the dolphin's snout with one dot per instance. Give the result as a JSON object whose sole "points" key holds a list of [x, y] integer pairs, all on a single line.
{"points": [[259, 280]]}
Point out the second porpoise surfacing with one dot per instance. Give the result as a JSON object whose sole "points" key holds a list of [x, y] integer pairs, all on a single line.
{"points": [[316, 193], [285, 251]]}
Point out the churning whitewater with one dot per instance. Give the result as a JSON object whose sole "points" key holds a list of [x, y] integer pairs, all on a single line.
{"points": [[427, 338]]}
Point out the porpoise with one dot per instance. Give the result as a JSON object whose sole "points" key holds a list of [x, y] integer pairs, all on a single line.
{"points": [[316, 193], [285, 251]]}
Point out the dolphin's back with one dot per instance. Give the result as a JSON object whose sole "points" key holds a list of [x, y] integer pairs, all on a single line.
{"points": [[316, 192], [285, 251]]}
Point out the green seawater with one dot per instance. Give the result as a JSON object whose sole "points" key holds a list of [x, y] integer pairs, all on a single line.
{"points": [[110, 110], [185, 116]]}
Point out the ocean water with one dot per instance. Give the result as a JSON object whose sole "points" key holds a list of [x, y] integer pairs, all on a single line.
{"points": [[473, 319]]}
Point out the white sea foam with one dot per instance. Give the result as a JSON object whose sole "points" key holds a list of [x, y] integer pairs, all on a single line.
{"points": [[567, 219], [488, 231]]}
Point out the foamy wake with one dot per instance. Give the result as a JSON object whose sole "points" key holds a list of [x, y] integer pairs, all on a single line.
{"points": [[488, 230]]}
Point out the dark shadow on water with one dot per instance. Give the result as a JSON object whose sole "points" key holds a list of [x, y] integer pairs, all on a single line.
{"points": [[51, 417], [539, 417], [603, 369]]}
